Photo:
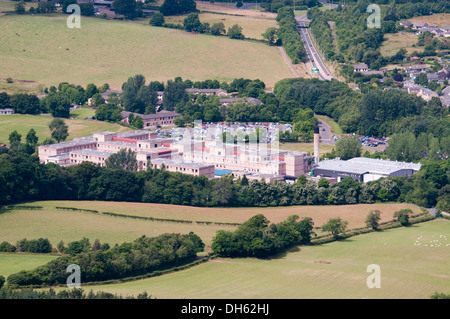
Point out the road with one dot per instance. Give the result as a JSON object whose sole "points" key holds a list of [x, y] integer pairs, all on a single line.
{"points": [[311, 51], [327, 137]]}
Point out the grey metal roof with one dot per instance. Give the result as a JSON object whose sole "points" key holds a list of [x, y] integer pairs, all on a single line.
{"points": [[362, 165]]}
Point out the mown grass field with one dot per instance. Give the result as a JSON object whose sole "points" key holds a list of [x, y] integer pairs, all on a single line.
{"points": [[409, 268], [43, 49], [306, 147], [57, 225], [11, 263], [78, 125], [252, 27]]}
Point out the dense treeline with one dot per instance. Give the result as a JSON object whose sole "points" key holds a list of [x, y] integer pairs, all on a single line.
{"points": [[73, 293], [289, 35], [257, 237], [356, 42], [23, 178], [378, 112], [139, 257]]}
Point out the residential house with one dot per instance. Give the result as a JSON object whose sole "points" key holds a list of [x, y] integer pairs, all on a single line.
{"points": [[419, 25], [162, 118], [218, 92], [417, 68], [406, 24], [427, 94], [6, 111], [362, 67]]}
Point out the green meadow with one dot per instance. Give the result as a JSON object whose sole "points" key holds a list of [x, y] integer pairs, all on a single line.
{"points": [[410, 268], [78, 125], [42, 48]]}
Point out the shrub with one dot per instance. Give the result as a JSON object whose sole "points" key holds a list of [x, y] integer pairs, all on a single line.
{"points": [[7, 247]]}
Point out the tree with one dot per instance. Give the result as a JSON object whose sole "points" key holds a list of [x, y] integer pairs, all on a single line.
{"points": [[373, 219], [157, 19], [126, 7], [270, 35], [57, 104], [402, 216], [14, 137], [59, 130], [25, 103], [125, 159], [421, 79], [19, 8], [235, 32], [348, 147], [77, 247], [173, 7], [138, 122], [323, 182], [31, 137], [218, 28], [192, 23], [336, 226], [91, 89]]}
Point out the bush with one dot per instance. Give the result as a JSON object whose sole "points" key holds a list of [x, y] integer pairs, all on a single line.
{"points": [[41, 245], [7, 247]]}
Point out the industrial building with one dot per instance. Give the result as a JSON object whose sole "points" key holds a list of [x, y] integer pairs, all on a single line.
{"points": [[364, 169]]}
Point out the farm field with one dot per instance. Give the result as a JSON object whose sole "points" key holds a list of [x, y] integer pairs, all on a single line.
{"points": [[42, 48], [396, 41], [9, 5], [438, 19], [78, 126], [252, 27], [11, 263], [413, 264], [225, 8], [57, 225]]}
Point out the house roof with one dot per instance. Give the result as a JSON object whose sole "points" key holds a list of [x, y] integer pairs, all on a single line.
{"points": [[160, 114], [360, 66]]}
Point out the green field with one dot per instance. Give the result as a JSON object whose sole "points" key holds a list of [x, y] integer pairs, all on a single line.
{"points": [[334, 270], [43, 49], [11, 263], [410, 266], [78, 125]]}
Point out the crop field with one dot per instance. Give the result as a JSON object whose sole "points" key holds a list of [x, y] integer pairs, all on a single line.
{"points": [[78, 126], [413, 264], [43, 49], [252, 27], [57, 225]]}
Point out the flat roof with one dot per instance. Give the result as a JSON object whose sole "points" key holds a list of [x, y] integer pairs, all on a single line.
{"points": [[76, 142], [363, 165], [118, 143], [92, 152], [179, 163]]}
